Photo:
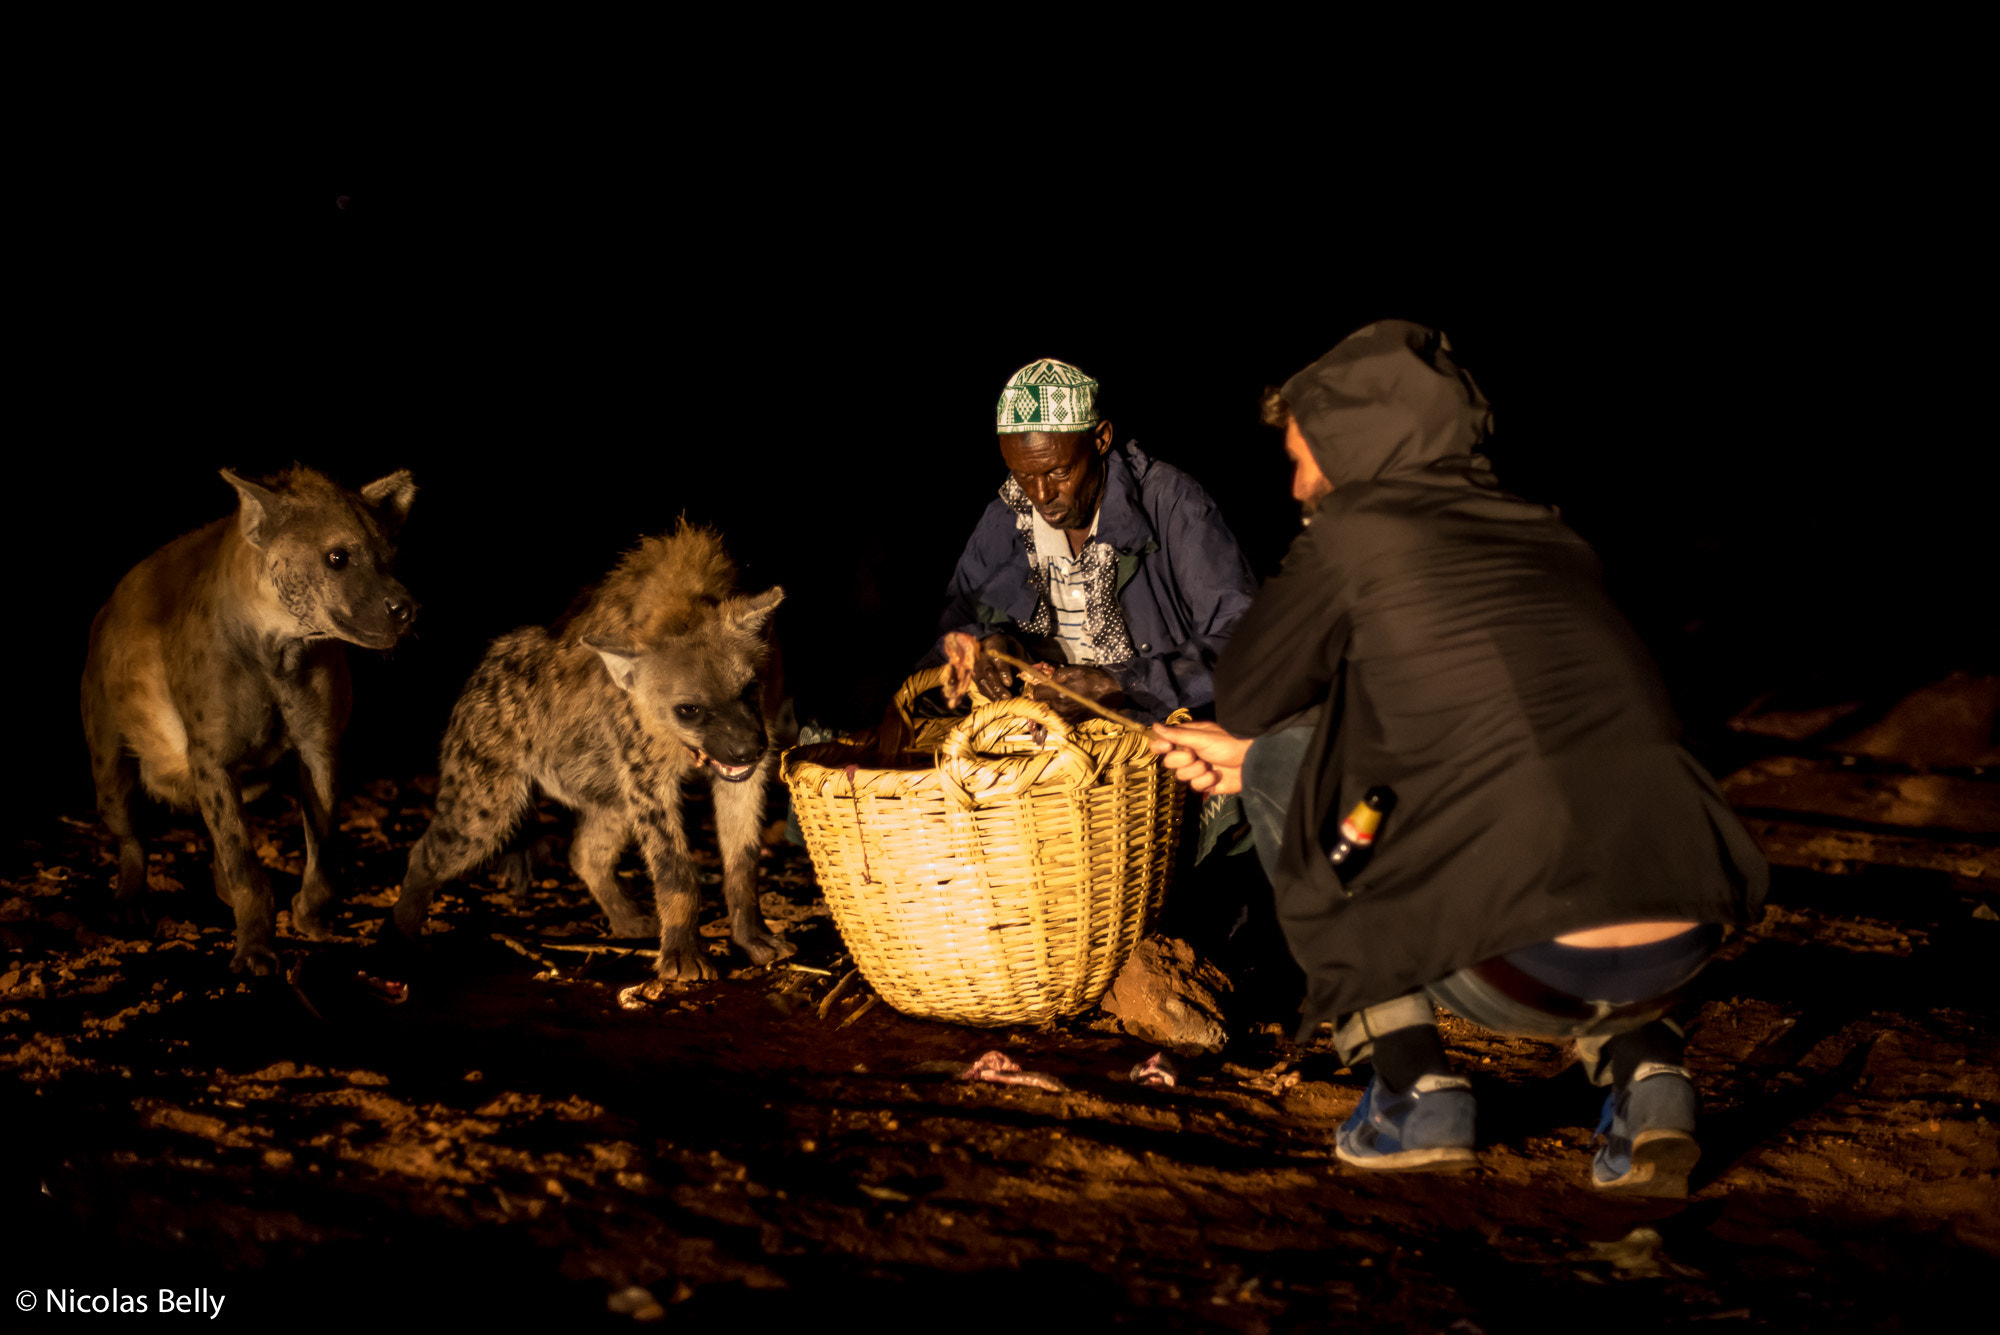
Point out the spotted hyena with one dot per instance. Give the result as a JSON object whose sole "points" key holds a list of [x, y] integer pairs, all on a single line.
{"points": [[222, 651], [658, 674]]}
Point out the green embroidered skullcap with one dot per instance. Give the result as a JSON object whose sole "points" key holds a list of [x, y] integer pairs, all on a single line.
{"points": [[1048, 395]]}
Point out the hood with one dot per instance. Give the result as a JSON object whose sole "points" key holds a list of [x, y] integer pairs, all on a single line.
{"points": [[1389, 401]]}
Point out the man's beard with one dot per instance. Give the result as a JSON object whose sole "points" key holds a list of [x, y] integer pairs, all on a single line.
{"points": [[1073, 520]]}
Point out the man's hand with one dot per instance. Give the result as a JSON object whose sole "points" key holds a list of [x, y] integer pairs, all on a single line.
{"points": [[1202, 756], [1089, 682], [966, 664]]}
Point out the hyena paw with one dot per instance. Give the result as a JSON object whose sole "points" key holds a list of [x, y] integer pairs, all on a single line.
{"points": [[685, 964], [395, 939], [255, 958], [306, 920], [763, 945]]}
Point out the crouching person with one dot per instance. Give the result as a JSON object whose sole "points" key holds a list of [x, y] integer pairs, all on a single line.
{"points": [[1554, 864]]}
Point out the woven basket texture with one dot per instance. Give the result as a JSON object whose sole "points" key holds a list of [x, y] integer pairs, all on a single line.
{"points": [[1009, 883], [929, 733]]}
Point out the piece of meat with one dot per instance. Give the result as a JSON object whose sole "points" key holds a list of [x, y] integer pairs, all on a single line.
{"points": [[968, 663], [998, 1068], [388, 991], [961, 654], [1092, 683]]}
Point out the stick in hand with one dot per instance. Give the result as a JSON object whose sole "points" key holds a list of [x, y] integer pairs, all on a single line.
{"points": [[1035, 674]]}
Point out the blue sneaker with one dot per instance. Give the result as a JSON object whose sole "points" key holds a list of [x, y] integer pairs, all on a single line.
{"points": [[1648, 1130], [1428, 1127]]}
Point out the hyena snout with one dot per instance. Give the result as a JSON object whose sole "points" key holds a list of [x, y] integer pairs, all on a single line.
{"points": [[401, 608], [381, 615], [735, 740]]}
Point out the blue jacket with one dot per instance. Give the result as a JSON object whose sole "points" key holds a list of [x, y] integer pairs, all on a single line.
{"points": [[1182, 581]]}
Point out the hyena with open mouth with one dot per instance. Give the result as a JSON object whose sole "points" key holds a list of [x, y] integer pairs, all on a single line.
{"points": [[222, 651], [658, 674]]}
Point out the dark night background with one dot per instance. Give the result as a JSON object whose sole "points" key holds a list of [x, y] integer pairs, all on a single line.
{"points": [[1731, 384]]}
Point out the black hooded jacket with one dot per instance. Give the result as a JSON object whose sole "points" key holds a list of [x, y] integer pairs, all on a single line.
{"points": [[1466, 654]]}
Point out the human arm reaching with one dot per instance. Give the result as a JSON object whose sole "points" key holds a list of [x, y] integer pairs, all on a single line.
{"points": [[1202, 755]]}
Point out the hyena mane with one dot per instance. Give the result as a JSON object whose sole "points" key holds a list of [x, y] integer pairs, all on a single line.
{"points": [[663, 587]]}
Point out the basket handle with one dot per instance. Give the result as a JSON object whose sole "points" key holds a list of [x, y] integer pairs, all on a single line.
{"points": [[979, 771], [919, 682]]}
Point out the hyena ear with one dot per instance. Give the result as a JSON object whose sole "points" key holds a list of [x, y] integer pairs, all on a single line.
{"points": [[622, 663], [257, 511], [389, 497], [753, 614]]}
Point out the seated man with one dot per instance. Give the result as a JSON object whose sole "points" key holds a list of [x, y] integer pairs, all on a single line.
{"points": [[1098, 558], [1555, 865]]}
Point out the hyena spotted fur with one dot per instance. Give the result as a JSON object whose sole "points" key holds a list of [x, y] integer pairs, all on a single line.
{"points": [[657, 674], [222, 651]]}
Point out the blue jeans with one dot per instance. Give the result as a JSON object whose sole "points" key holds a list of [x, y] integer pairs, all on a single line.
{"points": [[1271, 770]]}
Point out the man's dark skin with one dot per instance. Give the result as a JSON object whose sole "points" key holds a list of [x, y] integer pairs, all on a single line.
{"points": [[1062, 474]]}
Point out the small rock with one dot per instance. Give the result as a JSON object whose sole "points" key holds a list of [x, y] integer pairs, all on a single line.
{"points": [[1985, 912], [1165, 994], [882, 1193], [637, 1303], [643, 996]]}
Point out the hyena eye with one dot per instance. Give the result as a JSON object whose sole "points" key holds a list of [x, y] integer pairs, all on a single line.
{"points": [[337, 558], [687, 713]]}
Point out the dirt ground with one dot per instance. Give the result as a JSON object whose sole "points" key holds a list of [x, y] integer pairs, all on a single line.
{"points": [[511, 1142]]}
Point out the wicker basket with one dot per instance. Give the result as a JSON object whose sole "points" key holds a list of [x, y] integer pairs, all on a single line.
{"points": [[929, 733], [1009, 883]]}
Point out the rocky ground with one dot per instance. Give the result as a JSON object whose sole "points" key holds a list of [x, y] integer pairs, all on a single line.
{"points": [[511, 1142]]}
